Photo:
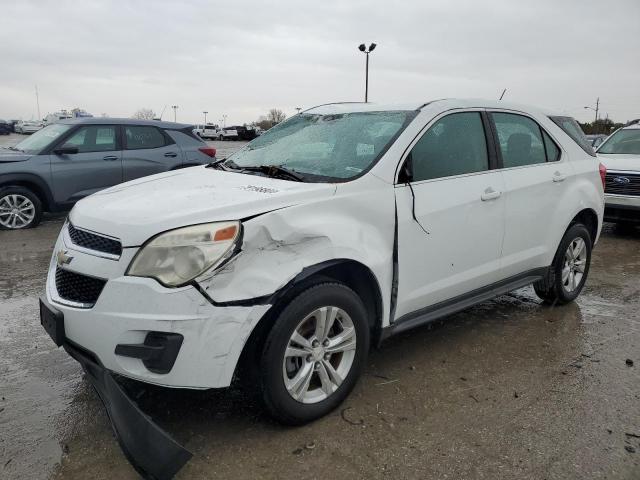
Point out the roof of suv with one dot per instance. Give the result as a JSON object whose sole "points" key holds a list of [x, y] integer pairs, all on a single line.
{"points": [[448, 103], [125, 121]]}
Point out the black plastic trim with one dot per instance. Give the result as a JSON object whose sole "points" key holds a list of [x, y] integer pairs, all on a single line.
{"points": [[158, 352], [461, 302]]}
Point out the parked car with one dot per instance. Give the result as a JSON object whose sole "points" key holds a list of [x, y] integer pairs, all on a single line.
{"points": [[228, 133], [333, 230], [28, 126], [57, 117], [5, 127], [620, 153], [206, 131], [596, 140], [66, 161]]}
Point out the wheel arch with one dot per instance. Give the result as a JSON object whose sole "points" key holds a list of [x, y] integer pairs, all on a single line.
{"points": [[33, 183], [351, 273], [589, 218]]}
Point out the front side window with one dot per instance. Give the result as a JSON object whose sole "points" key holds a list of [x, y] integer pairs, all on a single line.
{"points": [[94, 138], [325, 147], [520, 140], [42, 138], [454, 145], [625, 141], [143, 137]]}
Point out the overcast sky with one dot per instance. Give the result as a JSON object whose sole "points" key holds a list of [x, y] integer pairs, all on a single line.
{"points": [[241, 58]]}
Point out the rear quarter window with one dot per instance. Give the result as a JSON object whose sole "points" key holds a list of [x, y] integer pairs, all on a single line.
{"points": [[569, 126]]}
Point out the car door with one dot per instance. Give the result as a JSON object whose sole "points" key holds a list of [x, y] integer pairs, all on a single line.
{"points": [[148, 150], [450, 213], [96, 165], [535, 173]]}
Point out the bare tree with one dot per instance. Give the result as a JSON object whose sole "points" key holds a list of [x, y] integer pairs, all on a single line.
{"points": [[144, 114], [276, 116]]}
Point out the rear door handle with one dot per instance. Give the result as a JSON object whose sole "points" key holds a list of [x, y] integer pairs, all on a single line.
{"points": [[171, 154], [559, 177], [490, 194], [110, 158]]}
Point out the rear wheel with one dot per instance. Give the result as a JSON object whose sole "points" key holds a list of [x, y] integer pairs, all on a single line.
{"points": [[314, 353], [19, 208], [570, 268]]}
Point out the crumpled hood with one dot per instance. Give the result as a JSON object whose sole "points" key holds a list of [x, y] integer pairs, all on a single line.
{"points": [[628, 162], [7, 156], [137, 210]]}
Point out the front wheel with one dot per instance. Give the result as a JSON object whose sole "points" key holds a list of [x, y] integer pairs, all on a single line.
{"points": [[314, 353], [19, 208], [570, 268]]}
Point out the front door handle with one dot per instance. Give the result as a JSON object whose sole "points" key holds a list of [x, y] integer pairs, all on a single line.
{"points": [[171, 154], [110, 158], [490, 194], [559, 177]]}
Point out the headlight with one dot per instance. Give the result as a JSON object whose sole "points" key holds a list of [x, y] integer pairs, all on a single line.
{"points": [[176, 257]]}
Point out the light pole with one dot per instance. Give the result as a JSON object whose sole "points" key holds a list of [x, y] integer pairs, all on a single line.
{"points": [[298, 109], [595, 110], [224, 120], [175, 108], [205, 117], [363, 49]]}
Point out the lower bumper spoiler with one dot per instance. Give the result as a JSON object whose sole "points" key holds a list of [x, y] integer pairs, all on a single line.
{"points": [[149, 449]]}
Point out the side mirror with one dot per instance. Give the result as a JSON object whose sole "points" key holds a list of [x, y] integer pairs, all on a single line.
{"points": [[66, 150]]}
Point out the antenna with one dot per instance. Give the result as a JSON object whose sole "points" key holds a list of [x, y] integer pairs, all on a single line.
{"points": [[503, 92]]}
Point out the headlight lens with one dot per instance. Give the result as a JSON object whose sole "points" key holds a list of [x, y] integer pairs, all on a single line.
{"points": [[175, 258]]}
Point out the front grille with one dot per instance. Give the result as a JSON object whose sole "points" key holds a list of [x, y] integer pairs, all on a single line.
{"points": [[93, 241], [622, 183], [78, 288]]}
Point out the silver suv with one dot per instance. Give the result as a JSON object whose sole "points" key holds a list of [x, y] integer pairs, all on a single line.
{"points": [[64, 162]]}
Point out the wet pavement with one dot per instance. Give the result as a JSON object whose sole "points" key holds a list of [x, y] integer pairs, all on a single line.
{"points": [[508, 389]]}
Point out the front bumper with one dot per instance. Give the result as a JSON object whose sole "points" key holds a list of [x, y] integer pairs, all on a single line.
{"points": [[129, 308], [621, 208]]}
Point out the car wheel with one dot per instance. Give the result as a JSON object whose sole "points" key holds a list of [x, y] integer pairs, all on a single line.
{"points": [[221, 138], [314, 353], [19, 208], [570, 268]]}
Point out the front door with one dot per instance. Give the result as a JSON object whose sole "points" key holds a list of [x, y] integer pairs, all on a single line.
{"points": [[97, 165], [450, 216]]}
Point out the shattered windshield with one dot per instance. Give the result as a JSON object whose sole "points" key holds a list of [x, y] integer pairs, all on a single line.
{"points": [[325, 147]]}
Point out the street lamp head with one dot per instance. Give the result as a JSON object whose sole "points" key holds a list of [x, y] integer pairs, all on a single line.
{"points": [[362, 47], [372, 47]]}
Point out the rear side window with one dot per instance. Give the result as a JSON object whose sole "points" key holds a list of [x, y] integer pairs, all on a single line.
{"points": [[142, 137], [571, 128], [553, 152], [520, 140], [454, 145]]}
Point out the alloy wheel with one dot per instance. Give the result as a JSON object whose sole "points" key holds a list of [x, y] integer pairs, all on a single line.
{"points": [[319, 354], [575, 260], [16, 211]]}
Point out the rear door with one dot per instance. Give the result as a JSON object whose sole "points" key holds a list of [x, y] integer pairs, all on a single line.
{"points": [[148, 150], [450, 215], [536, 173], [97, 165]]}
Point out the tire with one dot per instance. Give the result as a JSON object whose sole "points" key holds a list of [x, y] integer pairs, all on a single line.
{"points": [[567, 276], [221, 138], [22, 200], [321, 394]]}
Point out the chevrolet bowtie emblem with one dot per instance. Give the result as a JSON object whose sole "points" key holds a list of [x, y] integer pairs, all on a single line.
{"points": [[62, 258]]}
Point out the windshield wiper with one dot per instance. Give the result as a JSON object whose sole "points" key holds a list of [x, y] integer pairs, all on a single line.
{"points": [[275, 171], [15, 149], [223, 164]]}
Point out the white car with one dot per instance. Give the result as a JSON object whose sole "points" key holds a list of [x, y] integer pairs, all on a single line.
{"points": [[228, 133], [332, 231], [620, 153], [207, 131], [28, 126]]}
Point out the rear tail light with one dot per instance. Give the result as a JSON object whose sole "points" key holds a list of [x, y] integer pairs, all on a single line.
{"points": [[603, 174], [208, 151]]}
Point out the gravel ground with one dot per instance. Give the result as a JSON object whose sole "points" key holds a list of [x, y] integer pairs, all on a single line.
{"points": [[508, 389]]}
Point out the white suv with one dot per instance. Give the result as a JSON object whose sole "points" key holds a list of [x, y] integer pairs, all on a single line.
{"points": [[620, 153], [332, 231]]}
